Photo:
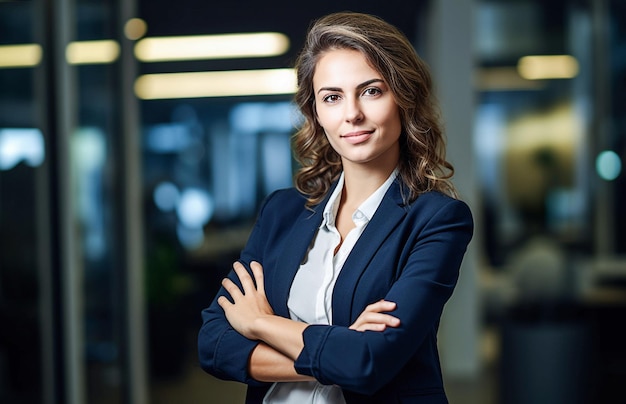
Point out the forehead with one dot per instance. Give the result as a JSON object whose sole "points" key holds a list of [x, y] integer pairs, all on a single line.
{"points": [[342, 67]]}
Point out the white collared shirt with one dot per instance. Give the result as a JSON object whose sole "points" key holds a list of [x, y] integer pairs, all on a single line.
{"points": [[310, 297]]}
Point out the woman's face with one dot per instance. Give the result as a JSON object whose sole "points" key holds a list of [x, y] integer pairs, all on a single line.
{"points": [[357, 110]]}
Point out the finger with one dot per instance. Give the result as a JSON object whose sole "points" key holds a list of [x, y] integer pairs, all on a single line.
{"points": [[375, 322], [381, 306], [231, 288], [224, 302], [244, 277], [257, 271], [372, 327], [368, 326], [387, 319], [380, 318]]}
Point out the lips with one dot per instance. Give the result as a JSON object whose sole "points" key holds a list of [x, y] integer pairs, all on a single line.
{"points": [[357, 137]]}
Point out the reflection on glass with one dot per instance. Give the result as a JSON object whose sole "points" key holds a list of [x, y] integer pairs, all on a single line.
{"points": [[89, 151]]}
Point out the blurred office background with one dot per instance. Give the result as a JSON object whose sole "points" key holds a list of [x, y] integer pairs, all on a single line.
{"points": [[132, 162]]}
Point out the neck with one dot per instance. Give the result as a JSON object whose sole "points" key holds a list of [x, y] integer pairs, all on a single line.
{"points": [[361, 182]]}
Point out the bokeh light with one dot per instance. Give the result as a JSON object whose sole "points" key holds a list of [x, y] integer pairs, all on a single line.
{"points": [[135, 28], [608, 165]]}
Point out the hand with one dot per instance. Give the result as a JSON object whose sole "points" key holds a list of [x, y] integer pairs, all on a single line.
{"points": [[248, 304], [373, 318]]}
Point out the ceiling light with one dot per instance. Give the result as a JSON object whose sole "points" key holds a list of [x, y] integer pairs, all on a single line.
{"points": [[216, 84], [27, 55], [502, 79], [548, 67], [92, 52], [160, 49]]}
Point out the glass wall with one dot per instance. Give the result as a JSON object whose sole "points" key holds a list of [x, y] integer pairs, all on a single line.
{"points": [[22, 154], [63, 266]]}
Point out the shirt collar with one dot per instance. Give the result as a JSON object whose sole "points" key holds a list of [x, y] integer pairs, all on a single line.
{"points": [[332, 206]]}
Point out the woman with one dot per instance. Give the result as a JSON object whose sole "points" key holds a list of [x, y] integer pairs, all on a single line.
{"points": [[338, 293]]}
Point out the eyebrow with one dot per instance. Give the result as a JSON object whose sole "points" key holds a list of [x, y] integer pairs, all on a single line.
{"points": [[364, 84]]}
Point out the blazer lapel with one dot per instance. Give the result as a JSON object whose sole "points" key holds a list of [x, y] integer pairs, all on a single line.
{"points": [[390, 211]]}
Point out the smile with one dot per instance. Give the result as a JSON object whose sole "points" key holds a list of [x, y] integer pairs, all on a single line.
{"points": [[357, 137]]}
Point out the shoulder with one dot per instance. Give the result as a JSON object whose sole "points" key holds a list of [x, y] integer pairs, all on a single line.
{"points": [[286, 196], [436, 198], [438, 219], [432, 205], [283, 202]]}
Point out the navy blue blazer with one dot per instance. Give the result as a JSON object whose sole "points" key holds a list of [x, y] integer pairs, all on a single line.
{"points": [[409, 254]]}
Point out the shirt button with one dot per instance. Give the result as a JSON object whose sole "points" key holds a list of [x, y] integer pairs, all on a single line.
{"points": [[358, 215]]}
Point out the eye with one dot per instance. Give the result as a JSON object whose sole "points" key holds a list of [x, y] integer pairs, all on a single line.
{"points": [[331, 98], [372, 91]]}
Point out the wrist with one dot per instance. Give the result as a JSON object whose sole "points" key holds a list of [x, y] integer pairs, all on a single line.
{"points": [[282, 334], [260, 327]]}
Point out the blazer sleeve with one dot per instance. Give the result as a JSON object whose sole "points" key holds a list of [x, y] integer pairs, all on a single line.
{"points": [[222, 351], [364, 362]]}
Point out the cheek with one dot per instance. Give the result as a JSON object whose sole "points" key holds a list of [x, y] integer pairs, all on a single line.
{"points": [[388, 120], [394, 121], [329, 139], [327, 120]]}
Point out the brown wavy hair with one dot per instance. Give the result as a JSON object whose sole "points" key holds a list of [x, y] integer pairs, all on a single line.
{"points": [[423, 166]]}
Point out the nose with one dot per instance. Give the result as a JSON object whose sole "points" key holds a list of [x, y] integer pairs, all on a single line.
{"points": [[353, 112]]}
